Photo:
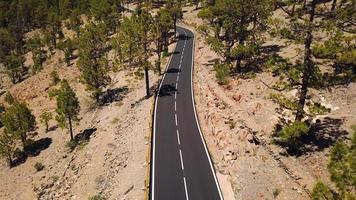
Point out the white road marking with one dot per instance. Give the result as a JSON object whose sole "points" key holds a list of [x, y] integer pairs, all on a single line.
{"points": [[177, 78], [175, 106], [154, 129], [175, 95], [178, 137], [186, 190], [175, 116], [176, 85], [181, 159]]}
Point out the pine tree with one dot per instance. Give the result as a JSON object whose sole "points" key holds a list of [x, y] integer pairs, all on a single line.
{"points": [[35, 44], [67, 107], [237, 25], [342, 169], [68, 47], [45, 117], [165, 24], [14, 66], [18, 120], [93, 63], [144, 20], [7, 146]]}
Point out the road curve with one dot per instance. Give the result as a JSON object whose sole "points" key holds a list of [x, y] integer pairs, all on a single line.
{"points": [[181, 166]]}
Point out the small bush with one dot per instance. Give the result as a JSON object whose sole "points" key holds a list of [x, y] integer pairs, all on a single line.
{"points": [[321, 51], [97, 197], [347, 58], [276, 192], [283, 101], [290, 135], [318, 109], [222, 73], [55, 77], [165, 52], [321, 192], [203, 29], [286, 33], [39, 166], [9, 98], [71, 144]]}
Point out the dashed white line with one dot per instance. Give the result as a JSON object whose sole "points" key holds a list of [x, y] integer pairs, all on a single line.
{"points": [[186, 190], [177, 78], [175, 116], [181, 159], [175, 95], [176, 85], [178, 137], [175, 106]]}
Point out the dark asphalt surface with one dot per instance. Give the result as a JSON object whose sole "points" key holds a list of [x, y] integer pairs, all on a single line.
{"points": [[181, 168]]}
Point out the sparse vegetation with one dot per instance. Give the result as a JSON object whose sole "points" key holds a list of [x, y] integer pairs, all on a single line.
{"points": [[18, 120], [342, 172], [55, 77], [291, 134], [38, 166], [276, 192], [67, 107], [222, 73], [97, 197], [45, 118]]}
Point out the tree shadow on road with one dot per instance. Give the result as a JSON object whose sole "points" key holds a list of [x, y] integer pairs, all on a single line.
{"points": [[167, 90]]}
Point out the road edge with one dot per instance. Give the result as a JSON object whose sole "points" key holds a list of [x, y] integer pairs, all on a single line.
{"points": [[151, 150], [195, 112]]}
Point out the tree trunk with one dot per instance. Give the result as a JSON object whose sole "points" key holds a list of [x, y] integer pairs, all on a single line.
{"points": [[70, 128], [13, 78], [147, 82], [308, 65], [333, 6], [46, 127], [9, 159], [159, 50], [23, 139], [293, 7], [175, 26]]}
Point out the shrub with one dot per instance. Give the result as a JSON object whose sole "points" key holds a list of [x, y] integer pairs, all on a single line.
{"points": [[97, 197], [55, 77], [222, 72], [39, 166], [165, 52], [286, 33], [347, 58], [283, 101], [321, 192], [71, 144], [203, 29], [276, 192], [9, 98], [318, 109], [291, 135]]}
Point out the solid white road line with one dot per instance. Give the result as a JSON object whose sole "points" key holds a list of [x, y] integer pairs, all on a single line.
{"points": [[154, 128], [181, 159], [186, 190], [196, 119], [178, 137]]}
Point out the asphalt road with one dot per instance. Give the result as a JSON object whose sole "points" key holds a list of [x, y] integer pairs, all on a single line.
{"points": [[181, 166]]}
